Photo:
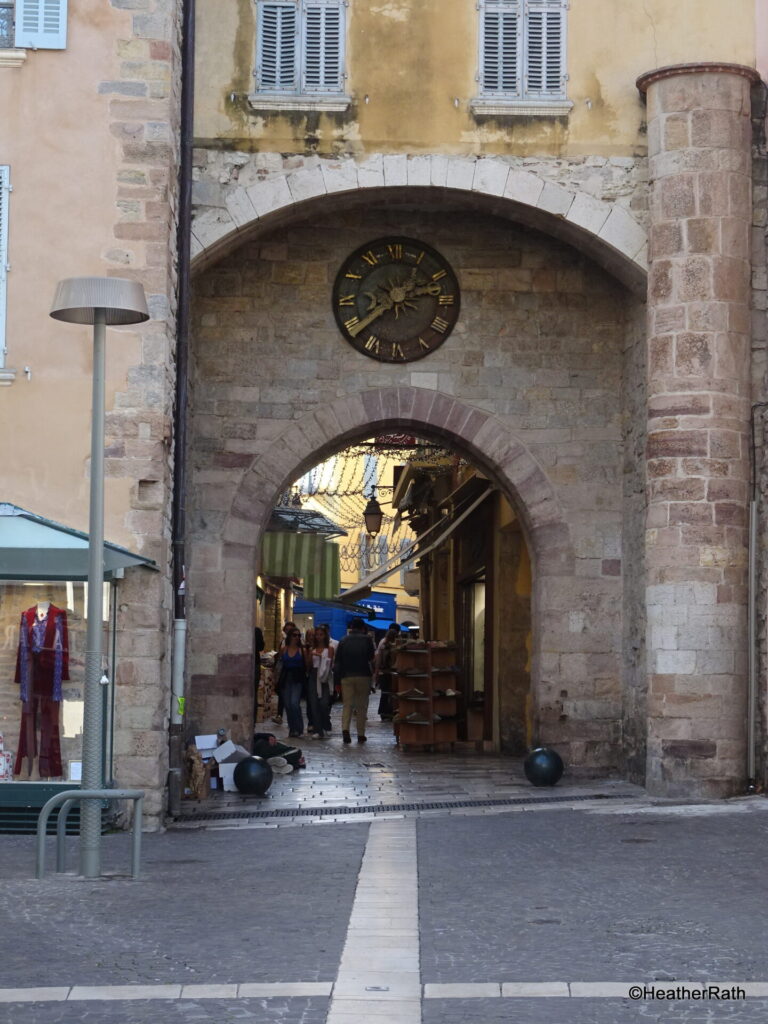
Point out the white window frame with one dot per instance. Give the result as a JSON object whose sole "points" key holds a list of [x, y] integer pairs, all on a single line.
{"points": [[6, 376], [300, 95], [523, 99], [37, 25]]}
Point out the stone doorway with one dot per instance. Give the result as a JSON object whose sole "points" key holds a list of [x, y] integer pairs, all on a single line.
{"points": [[446, 533], [541, 385]]}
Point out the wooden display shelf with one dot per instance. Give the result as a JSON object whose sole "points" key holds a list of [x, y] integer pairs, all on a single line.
{"points": [[425, 669]]}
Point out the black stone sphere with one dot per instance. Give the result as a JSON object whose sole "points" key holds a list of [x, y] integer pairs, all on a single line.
{"points": [[543, 767], [253, 775]]}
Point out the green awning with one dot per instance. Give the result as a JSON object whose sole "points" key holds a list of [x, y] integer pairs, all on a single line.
{"points": [[305, 556], [35, 548]]}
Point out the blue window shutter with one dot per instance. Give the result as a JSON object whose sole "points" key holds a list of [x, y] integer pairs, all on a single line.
{"points": [[545, 48], [501, 50], [323, 47], [5, 188], [276, 47], [41, 24]]}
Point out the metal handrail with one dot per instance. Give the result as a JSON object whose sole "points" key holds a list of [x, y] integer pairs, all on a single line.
{"points": [[73, 796]]}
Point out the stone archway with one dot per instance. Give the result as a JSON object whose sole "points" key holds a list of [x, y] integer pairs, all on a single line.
{"points": [[228, 212], [478, 434], [483, 437], [544, 377]]}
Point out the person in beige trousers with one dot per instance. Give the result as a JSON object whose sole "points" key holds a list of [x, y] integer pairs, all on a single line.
{"points": [[354, 666]]}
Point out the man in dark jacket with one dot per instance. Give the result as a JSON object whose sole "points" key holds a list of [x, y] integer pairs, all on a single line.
{"points": [[354, 665]]}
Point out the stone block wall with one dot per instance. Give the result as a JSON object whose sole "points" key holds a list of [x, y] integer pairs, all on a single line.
{"points": [[699, 381], [539, 345], [144, 112]]}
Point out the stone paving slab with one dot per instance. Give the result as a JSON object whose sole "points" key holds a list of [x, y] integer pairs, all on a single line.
{"points": [[212, 908], [582, 896]]}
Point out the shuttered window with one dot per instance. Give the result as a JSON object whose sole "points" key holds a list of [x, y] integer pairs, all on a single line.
{"points": [[300, 46], [277, 29], [522, 49], [5, 189], [41, 24]]}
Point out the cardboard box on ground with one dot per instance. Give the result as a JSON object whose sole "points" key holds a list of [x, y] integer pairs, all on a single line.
{"points": [[211, 766]]}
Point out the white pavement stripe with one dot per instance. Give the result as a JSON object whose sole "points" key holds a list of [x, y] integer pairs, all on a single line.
{"points": [[380, 979], [114, 992], [209, 992], [33, 995], [266, 990], [392, 994], [534, 989], [459, 990]]}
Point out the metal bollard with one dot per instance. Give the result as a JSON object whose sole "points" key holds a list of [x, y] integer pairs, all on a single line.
{"points": [[66, 800]]}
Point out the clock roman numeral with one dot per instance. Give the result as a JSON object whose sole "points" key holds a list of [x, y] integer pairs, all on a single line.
{"points": [[440, 325], [395, 251], [438, 275], [349, 324], [397, 352], [372, 343], [370, 258], [355, 277], [445, 300], [424, 344], [347, 300]]}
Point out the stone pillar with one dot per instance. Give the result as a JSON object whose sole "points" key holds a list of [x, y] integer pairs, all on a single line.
{"points": [[699, 138]]}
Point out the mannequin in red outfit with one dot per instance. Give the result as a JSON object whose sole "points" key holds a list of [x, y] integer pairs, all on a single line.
{"points": [[42, 663]]}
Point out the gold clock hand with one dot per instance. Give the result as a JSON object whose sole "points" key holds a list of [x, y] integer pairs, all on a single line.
{"points": [[386, 304], [433, 288]]}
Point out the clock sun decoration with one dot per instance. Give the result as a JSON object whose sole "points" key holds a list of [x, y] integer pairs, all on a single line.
{"points": [[396, 299]]}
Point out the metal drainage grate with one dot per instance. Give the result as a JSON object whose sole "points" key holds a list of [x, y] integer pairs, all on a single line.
{"points": [[322, 812]]}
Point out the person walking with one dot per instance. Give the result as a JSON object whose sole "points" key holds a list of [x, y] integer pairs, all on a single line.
{"points": [[354, 660], [292, 679], [319, 684], [278, 718]]}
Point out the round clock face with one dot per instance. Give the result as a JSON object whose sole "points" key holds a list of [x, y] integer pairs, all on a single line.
{"points": [[396, 299]]}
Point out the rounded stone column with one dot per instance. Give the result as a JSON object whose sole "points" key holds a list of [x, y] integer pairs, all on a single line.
{"points": [[699, 138]]}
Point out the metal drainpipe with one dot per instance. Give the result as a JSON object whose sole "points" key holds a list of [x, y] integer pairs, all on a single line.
{"points": [[178, 517], [752, 613]]}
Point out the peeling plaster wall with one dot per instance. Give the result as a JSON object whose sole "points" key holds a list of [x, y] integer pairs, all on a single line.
{"points": [[412, 57]]}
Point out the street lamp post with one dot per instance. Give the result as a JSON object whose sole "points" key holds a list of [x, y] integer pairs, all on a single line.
{"points": [[102, 302]]}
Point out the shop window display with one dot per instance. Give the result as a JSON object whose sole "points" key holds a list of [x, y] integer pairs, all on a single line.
{"points": [[42, 676]]}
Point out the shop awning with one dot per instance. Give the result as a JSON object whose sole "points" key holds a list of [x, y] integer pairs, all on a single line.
{"points": [[303, 520], [308, 556], [428, 541], [35, 548]]}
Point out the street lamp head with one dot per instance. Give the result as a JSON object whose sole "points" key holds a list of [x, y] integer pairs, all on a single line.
{"points": [[122, 301], [373, 515]]}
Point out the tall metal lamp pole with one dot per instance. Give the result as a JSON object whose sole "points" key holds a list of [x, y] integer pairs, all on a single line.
{"points": [[102, 302]]}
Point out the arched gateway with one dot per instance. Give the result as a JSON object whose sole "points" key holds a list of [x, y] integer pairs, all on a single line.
{"points": [[544, 366], [625, 436]]}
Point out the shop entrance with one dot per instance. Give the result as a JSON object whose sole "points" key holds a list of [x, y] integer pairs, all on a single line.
{"points": [[410, 535]]}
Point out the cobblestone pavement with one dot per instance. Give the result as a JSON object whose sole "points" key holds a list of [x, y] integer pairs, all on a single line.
{"points": [[620, 890], [595, 896], [589, 1011], [214, 907], [377, 774], [209, 1011]]}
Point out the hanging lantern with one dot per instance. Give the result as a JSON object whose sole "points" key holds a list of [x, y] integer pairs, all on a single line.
{"points": [[373, 515]]}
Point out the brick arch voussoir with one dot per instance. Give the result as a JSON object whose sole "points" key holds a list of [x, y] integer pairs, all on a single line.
{"points": [[480, 435]]}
